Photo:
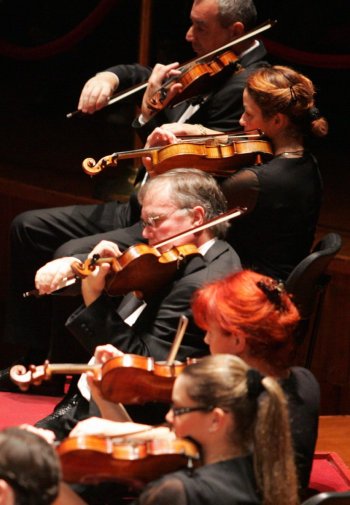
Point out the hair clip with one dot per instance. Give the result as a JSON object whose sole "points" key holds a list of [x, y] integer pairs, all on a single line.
{"points": [[254, 383], [314, 113], [293, 96], [273, 291]]}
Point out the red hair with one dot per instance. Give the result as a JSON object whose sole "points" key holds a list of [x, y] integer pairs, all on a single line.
{"points": [[240, 307]]}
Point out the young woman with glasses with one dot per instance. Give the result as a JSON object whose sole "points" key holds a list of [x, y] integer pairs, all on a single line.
{"points": [[233, 413], [239, 419]]}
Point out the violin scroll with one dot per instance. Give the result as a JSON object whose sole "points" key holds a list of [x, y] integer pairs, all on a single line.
{"points": [[82, 270], [23, 378], [91, 167]]}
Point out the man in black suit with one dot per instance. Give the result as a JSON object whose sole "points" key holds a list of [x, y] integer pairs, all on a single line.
{"points": [[173, 202]]}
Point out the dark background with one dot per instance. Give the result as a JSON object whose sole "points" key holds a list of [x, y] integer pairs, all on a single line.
{"points": [[38, 89]]}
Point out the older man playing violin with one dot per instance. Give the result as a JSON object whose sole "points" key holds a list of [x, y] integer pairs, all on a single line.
{"points": [[173, 202]]}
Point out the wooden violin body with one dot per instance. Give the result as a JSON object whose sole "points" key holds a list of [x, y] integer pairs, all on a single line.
{"points": [[141, 268], [132, 379], [93, 459], [218, 159], [196, 78]]}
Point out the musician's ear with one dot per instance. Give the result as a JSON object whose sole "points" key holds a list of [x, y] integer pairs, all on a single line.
{"points": [[279, 121], [198, 215], [237, 29]]}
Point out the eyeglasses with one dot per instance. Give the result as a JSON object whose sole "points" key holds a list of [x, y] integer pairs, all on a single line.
{"points": [[152, 220], [179, 411]]}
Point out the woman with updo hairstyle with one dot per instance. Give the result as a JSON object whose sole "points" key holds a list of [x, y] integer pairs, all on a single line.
{"points": [[282, 195], [240, 421], [252, 316], [282, 89]]}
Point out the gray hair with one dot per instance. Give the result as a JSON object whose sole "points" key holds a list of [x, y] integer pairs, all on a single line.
{"points": [[231, 11], [188, 188]]}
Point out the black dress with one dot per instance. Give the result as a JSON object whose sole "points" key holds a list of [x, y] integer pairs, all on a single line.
{"points": [[283, 198], [228, 482]]}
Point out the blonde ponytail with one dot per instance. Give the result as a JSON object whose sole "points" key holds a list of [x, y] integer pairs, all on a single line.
{"points": [[273, 451]]}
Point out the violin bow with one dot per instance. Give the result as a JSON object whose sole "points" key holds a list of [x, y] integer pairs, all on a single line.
{"points": [[115, 98], [252, 33], [261, 28], [183, 322], [225, 216]]}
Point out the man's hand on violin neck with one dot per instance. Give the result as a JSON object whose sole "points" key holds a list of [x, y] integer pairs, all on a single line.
{"points": [[105, 249], [93, 285], [103, 353], [159, 74]]}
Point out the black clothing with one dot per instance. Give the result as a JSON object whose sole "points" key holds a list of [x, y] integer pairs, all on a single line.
{"points": [[228, 482], [154, 331], [303, 393], [283, 197]]}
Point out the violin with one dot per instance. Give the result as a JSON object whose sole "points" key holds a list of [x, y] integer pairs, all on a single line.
{"points": [[129, 378], [92, 459], [211, 155], [141, 268], [197, 75]]}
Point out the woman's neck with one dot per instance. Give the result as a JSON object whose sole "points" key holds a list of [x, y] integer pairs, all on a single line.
{"points": [[220, 452], [288, 146], [265, 367]]}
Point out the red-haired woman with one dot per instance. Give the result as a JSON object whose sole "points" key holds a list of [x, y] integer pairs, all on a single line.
{"points": [[283, 196], [251, 316]]}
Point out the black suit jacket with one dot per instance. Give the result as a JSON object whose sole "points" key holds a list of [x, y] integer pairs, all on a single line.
{"points": [[154, 330]]}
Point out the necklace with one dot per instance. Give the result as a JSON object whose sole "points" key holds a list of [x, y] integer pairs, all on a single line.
{"points": [[295, 154]]}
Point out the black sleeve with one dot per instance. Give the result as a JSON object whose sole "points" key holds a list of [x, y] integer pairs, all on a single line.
{"points": [[153, 332], [241, 189], [100, 324], [130, 75]]}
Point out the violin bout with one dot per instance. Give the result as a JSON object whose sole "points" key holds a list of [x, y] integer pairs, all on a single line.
{"points": [[134, 462]]}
